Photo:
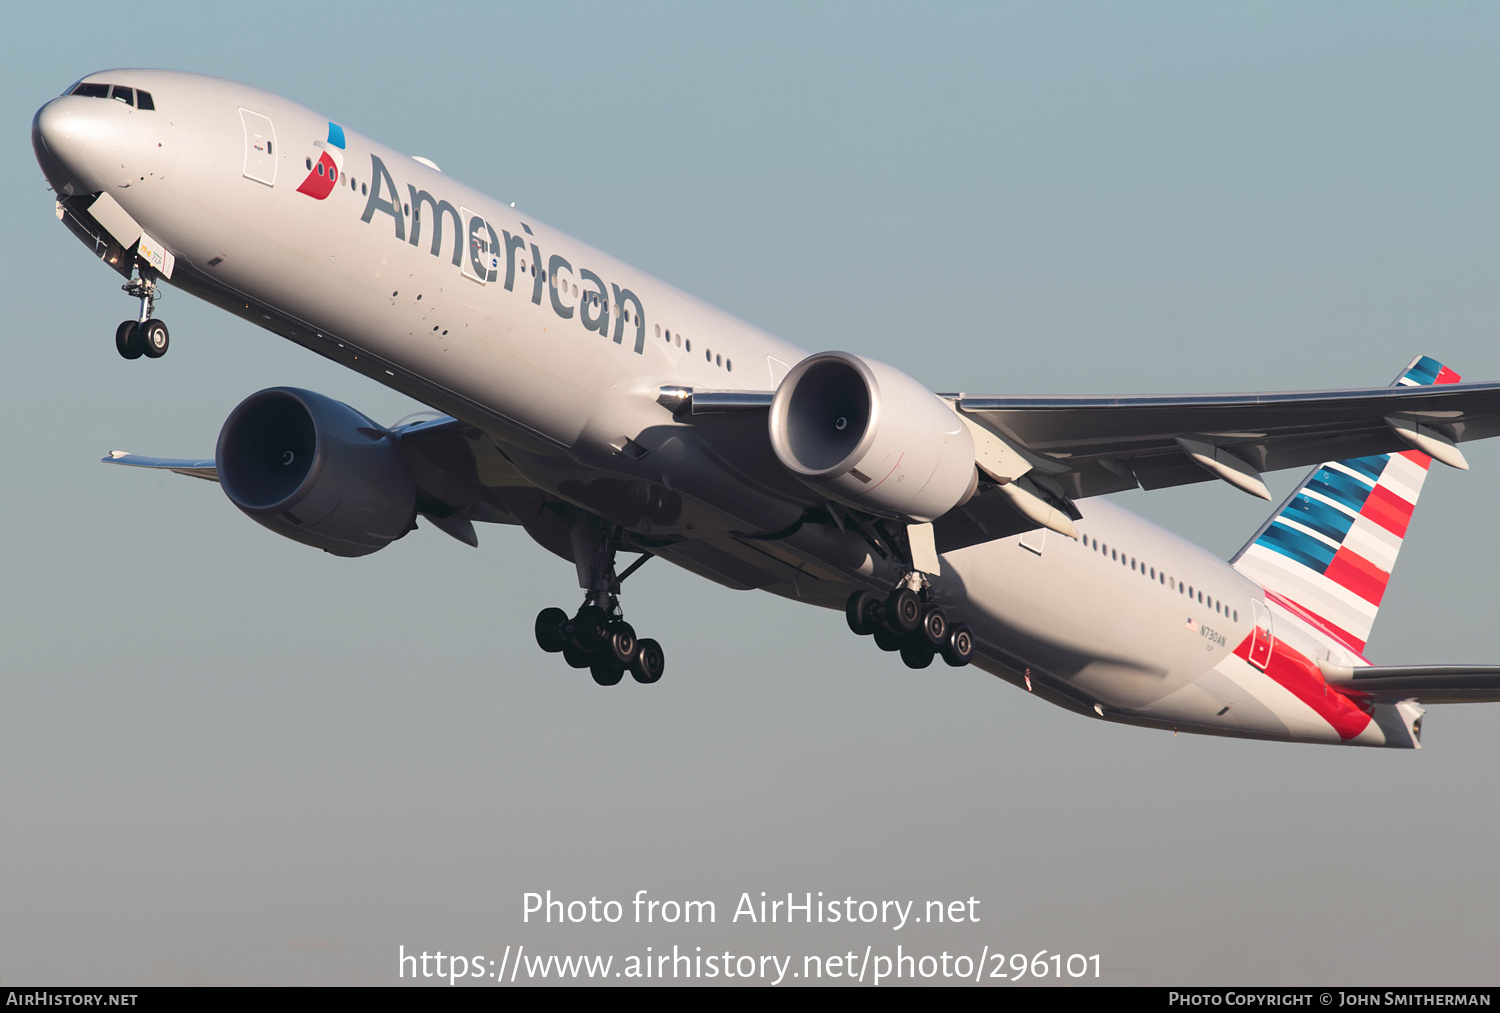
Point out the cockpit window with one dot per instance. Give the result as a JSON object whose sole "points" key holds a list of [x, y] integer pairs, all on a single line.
{"points": [[118, 92]]}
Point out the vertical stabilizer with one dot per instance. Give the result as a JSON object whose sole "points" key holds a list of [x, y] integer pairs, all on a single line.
{"points": [[1328, 551]]}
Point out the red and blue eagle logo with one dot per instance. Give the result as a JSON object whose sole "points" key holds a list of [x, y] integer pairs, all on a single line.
{"points": [[325, 174]]}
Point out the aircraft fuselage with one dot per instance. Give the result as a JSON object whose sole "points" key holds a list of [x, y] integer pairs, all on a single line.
{"points": [[554, 349]]}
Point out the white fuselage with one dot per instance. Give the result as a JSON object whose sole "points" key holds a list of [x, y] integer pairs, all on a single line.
{"points": [[555, 350]]}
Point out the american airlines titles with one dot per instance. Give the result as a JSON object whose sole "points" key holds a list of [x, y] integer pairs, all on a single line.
{"points": [[599, 304]]}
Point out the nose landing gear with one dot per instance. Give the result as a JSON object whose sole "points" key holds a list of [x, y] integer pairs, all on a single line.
{"points": [[145, 336], [911, 623], [598, 637]]}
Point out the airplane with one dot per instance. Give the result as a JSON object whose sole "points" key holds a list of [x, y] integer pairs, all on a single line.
{"points": [[604, 412]]}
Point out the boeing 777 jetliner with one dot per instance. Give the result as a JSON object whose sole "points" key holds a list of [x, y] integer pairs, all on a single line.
{"points": [[601, 411]]}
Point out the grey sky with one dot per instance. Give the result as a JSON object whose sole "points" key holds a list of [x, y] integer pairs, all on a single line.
{"points": [[227, 758]]}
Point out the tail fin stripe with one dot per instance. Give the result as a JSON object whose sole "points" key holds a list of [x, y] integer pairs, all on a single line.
{"points": [[1405, 477], [1336, 606], [1297, 546], [1304, 530], [1326, 520], [1343, 636], [1329, 548], [1371, 467], [1389, 511], [1358, 575], [1340, 488], [1334, 504], [1373, 542], [1424, 369]]}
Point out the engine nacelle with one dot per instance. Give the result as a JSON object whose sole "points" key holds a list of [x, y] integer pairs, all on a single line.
{"points": [[317, 471], [868, 435]]}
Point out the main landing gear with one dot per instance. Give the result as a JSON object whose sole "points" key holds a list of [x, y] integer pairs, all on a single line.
{"points": [[146, 336], [598, 637], [909, 622]]}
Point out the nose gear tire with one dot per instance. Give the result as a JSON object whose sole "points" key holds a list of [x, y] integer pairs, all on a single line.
{"points": [[153, 339], [127, 340]]}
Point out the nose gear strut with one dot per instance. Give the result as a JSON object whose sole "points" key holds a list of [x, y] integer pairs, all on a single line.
{"points": [[144, 336]]}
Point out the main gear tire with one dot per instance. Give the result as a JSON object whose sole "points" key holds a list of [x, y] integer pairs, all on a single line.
{"points": [[619, 642], [934, 629], [606, 672], [862, 613], [649, 662], [917, 654], [551, 630], [903, 611], [958, 651], [589, 627]]}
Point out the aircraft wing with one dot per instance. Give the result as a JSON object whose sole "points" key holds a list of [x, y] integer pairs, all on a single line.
{"points": [[1427, 683], [1090, 446], [193, 469]]}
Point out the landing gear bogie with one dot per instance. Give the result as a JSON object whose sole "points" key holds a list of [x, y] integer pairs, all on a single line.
{"points": [[598, 637], [615, 651], [910, 623]]}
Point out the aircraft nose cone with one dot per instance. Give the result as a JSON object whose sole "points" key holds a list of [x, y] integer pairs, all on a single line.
{"points": [[59, 135]]}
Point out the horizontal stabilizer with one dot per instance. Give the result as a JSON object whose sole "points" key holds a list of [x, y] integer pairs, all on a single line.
{"points": [[1427, 683]]}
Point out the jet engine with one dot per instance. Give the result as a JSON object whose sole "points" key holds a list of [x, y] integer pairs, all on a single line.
{"points": [[868, 435], [317, 471]]}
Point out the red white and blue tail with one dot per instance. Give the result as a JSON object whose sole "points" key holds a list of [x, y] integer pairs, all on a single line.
{"points": [[1328, 552]]}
